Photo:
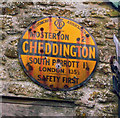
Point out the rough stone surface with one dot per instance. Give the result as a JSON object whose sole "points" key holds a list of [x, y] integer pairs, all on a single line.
{"points": [[11, 52], [95, 97]]}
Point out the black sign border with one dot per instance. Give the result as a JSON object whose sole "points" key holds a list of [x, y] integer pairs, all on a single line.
{"points": [[58, 89]]}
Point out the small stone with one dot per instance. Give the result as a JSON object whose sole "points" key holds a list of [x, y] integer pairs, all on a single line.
{"points": [[28, 3], [93, 95], [20, 5], [53, 4], [99, 2], [42, 3], [2, 36], [2, 59], [27, 89], [104, 68], [48, 92], [15, 12], [36, 16], [25, 21], [6, 22], [61, 4], [3, 74], [86, 2], [82, 112], [99, 42], [12, 32], [93, 12], [98, 16], [110, 25], [105, 53], [9, 11], [85, 104], [108, 36], [2, 25], [15, 71], [110, 109], [107, 97], [86, 20], [113, 13], [92, 24], [98, 35], [11, 52]]}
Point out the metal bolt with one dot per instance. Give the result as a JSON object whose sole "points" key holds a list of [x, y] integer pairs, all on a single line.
{"points": [[78, 39], [45, 57], [87, 35], [41, 29], [41, 50]]}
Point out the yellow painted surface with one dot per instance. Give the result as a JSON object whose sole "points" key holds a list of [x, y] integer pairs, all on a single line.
{"points": [[76, 57]]}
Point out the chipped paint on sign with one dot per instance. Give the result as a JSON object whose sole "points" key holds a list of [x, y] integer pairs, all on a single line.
{"points": [[58, 53]]}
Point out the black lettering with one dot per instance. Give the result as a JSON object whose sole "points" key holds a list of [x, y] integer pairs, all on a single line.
{"points": [[61, 62], [45, 78], [62, 36], [30, 60], [48, 62], [64, 79], [73, 63], [42, 36], [69, 63], [83, 39], [54, 78], [76, 80], [44, 69], [53, 69], [72, 80], [50, 34], [77, 63], [39, 76], [58, 79], [39, 61], [35, 60], [40, 69], [75, 71], [46, 34], [53, 61], [62, 70], [54, 36], [66, 37], [37, 34], [50, 78], [32, 35], [69, 80], [48, 69], [65, 63]]}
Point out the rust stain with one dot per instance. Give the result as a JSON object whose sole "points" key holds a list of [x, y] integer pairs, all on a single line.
{"points": [[60, 61]]}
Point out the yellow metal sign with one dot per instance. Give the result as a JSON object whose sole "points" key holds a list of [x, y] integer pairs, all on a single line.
{"points": [[58, 53]]}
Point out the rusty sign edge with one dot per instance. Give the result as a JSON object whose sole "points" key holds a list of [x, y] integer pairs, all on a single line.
{"points": [[58, 89]]}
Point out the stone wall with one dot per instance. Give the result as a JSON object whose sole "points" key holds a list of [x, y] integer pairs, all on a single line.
{"points": [[100, 18]]}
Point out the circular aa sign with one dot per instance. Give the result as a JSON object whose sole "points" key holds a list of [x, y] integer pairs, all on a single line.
{"points": [[58, 53]]}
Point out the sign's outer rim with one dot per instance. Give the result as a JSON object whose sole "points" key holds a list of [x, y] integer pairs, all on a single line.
{"points": [[46, 87]]}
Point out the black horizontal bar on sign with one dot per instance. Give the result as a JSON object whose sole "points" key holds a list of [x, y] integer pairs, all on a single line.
{"points": [[37, 101]]}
